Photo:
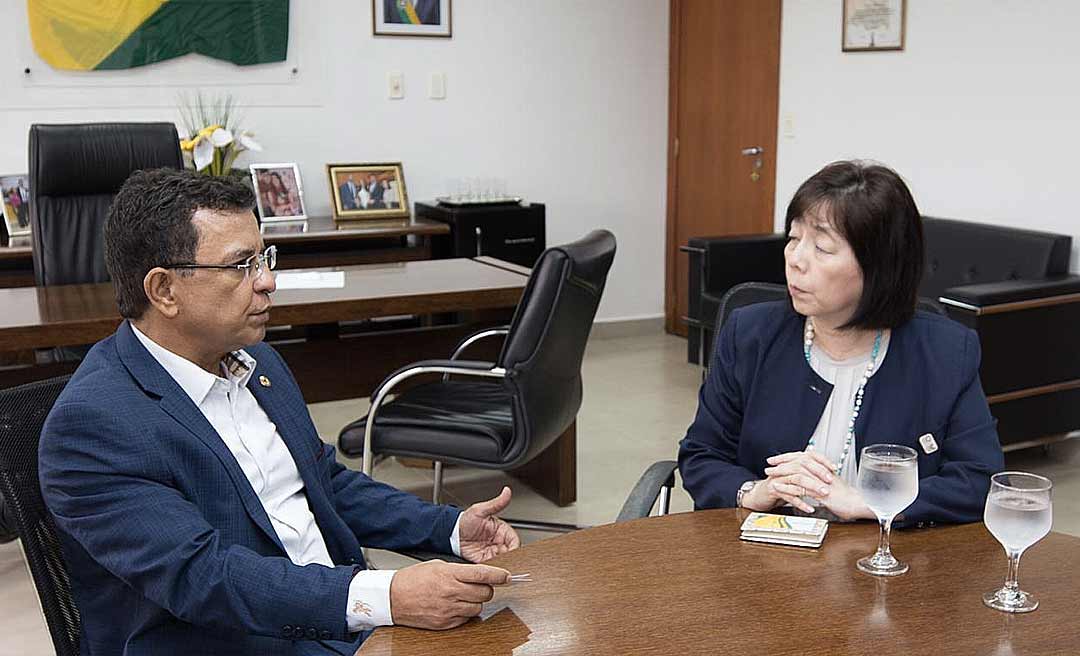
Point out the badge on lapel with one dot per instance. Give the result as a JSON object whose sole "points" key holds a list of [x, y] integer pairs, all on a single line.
{"points": [[928, 443], [265, 382]]}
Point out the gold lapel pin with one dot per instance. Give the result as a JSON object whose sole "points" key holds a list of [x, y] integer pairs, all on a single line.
{"points": [[264, 381]]}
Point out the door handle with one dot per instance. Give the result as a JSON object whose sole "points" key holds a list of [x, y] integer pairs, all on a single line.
{"points": [[753, 150]]}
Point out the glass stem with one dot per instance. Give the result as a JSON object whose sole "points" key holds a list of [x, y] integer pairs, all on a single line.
{"points": [[1012, 587], [883, 550]]}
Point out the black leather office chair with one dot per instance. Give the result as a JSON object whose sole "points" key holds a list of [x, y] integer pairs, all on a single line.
{"points": [[75, 171], [501, 414], [22, 413]]}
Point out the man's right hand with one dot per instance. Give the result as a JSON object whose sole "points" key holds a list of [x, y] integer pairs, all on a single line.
{"points": [[439, 595]]}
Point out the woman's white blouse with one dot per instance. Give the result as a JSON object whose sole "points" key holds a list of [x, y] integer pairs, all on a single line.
{"points": [[844, 376]]}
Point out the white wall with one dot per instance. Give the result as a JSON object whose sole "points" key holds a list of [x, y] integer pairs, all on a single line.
{"points": [[565, 99], [979, 113]]}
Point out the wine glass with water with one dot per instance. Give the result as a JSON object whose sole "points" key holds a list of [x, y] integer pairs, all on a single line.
{"points": [[889, 482], [1019, 514]]}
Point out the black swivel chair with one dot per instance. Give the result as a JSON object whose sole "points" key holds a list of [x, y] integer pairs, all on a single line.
{"points": [[22, 413], [75, 171], [498, 415]]}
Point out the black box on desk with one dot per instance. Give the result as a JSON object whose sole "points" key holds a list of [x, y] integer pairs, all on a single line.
{"points": [[514, 233]]}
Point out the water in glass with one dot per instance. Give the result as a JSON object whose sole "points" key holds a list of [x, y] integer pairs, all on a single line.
{"points": [[1019, 514], [889, 483]]}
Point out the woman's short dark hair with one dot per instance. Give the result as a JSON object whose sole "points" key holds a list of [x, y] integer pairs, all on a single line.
{"points": [[149, 225], [872, 208]]}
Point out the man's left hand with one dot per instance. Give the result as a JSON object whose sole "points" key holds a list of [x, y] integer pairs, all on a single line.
{"points": [[483, 535]]}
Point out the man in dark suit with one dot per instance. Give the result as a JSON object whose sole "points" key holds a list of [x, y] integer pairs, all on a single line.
{"points": [[375, 189], [348, 191], [198, 510]]}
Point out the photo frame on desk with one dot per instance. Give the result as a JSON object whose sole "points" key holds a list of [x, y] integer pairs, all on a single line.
{"points": [[411, 18], [15, 195], [871, 25], [279, 193], [368, 191]]}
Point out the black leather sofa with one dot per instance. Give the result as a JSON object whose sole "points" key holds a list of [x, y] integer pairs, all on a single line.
{"points": [[1012, 286]]}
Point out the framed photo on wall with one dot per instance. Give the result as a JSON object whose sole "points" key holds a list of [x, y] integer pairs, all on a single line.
{"points": [[15, 190], [411, 18], [368, 191], [279, 194], [873, 25]]}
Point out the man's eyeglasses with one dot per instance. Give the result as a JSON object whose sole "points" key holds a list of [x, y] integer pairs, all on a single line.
{"points": [[252, 266]]}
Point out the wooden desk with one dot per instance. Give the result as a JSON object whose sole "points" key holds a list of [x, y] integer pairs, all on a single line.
{"points": [[323, 242], [65, 315], [328, 364], [686, 584]]}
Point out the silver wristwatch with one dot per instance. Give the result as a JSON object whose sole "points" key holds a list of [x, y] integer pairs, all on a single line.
{"points": [[743, 489]]}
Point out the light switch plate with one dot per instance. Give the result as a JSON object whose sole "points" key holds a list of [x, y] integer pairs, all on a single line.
{"points": [[437, 86], [787, 126], [395, 85]]}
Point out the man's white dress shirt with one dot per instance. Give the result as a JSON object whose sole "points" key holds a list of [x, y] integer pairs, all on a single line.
{"points": [[253, 439]]}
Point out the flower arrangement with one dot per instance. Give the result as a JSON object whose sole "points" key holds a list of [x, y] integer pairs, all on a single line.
{"points": [[215, 139]]}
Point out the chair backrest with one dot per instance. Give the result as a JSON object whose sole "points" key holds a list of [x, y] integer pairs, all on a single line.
{"points": [[22, 414], [970, 253], [543, 351], [749, 293], [75, 171]]}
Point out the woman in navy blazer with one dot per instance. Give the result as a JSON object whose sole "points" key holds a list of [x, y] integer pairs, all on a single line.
{"points": [[853, 264]]}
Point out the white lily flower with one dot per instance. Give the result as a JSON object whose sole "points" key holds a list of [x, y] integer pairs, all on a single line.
{"points": [[221, 137], [203, 154], [248, 142]]}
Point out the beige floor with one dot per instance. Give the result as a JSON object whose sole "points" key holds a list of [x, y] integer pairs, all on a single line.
{"points": [[639, 396]]}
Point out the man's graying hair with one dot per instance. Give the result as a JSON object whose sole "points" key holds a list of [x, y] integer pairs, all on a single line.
{"points": [[149, 225]]}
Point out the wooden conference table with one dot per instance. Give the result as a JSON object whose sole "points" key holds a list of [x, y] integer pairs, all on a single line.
{"points": [[686, 584]]}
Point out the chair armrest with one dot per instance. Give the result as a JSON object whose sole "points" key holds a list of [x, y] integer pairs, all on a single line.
{"points": [[979, 297], [461, 367], [640, 502], [476, 337]]}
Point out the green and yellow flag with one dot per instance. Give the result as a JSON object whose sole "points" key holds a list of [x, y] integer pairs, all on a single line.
{"points": [[85, 35]]}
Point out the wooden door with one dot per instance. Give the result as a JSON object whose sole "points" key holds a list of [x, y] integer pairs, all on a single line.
{"points": [[724, 85]]}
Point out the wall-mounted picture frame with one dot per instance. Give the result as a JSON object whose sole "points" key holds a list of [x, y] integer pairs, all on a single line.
{"points": [[15, 192], [279, 193], [368, 191], [411, 18], [871, 25]]}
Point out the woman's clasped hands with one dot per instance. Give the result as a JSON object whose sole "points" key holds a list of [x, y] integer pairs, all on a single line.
{"points": [[792, 476]]}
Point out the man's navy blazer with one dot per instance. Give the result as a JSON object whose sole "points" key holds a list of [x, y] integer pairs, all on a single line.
{"points": [[169, 548], [761, 398]]}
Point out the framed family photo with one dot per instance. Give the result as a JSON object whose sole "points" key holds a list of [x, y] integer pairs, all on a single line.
{"points": [[873, 25], [15, 190], [279, 193], [411, 17], [368, 191]]}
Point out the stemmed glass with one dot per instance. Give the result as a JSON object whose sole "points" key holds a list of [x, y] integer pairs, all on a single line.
{"points": [[889, 482], [1018, 513]]}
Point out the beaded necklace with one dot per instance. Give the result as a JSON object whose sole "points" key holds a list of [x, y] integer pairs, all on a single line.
{"points": [[850, 437]]}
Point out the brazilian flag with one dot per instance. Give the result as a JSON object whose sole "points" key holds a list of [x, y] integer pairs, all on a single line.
{"points": [[86, 35]]}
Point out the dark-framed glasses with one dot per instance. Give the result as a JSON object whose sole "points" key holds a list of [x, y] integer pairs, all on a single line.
{"points": [[252, 266]]}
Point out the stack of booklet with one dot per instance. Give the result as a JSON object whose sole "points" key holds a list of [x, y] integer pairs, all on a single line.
{"points": [[784, 529]]}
